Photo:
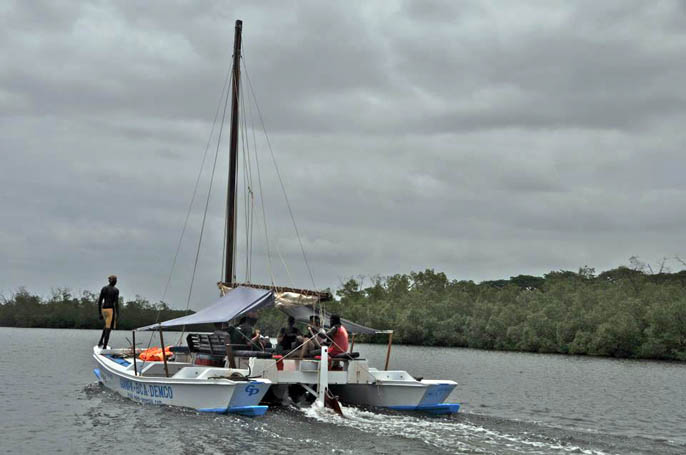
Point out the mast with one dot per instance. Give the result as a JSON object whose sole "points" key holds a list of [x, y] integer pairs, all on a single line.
{"points": [[233, 159]]}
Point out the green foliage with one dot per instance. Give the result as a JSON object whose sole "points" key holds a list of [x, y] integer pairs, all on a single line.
{"points": [[621, 312], [62, 310], [624, 312]]}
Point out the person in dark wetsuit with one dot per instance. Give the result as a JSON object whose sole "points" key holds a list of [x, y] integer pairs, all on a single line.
{"points": [[108, 309]]}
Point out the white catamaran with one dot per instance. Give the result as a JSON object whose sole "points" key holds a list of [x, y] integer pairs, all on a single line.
{"points": [[213, 374]]}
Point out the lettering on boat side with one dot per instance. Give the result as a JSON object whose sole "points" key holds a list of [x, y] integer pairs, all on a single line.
{"points": [[141, 392], [252, 390]]}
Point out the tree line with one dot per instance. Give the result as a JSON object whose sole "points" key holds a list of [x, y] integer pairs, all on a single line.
{"points": [[64, 310], [623, 312], [627, 312]]}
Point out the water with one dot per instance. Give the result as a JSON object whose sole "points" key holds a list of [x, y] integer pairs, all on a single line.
{"points": [[513, 403]]}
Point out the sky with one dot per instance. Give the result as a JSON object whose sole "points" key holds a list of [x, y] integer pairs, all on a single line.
{"points": [[481, 139]]}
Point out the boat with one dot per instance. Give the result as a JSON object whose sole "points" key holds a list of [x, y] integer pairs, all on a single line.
{"points": [[210, 373], [204, 389]]}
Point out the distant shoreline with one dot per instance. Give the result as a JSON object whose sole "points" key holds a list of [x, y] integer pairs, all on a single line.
{"points": [[621, 313], [381, 343]]}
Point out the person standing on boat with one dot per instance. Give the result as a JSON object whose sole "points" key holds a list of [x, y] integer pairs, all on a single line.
{"points": [[108, 309], [338, 336]]}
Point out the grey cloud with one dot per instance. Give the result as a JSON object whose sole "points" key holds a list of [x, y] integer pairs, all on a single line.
{"points": [[482, 141]]}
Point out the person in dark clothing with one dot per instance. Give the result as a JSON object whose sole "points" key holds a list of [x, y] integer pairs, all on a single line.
{"points": [[108, 309], [288, 336], [246, 333], [236, 333]]}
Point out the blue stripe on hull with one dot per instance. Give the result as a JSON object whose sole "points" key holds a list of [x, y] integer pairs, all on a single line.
{"points": [[241, 410], [439, 408], [96, 372], [215, 410], [248, 410]]}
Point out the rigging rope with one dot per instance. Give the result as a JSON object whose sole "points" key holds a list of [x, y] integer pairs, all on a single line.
{"points": [[285, 266], [264, 218], [248, 193], [252, 196], [207, 203], [190, 205], [283, 188]]}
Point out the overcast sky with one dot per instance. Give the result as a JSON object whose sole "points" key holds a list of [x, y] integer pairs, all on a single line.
{"points": [[481, 139]]}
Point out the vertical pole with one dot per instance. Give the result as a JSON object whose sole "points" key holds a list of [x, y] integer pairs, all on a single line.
{"points": [[164, 357], [229, 355], [133, 349], [323, 383], [233, 158], [388, 352], [352, 343]]}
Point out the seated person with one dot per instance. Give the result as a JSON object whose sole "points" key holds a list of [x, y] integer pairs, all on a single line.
{"points": [[317, 337], [236, 333], [252, 335], [243, 334], [338, 336], [288, 337], [313, 326], [260, 342]]}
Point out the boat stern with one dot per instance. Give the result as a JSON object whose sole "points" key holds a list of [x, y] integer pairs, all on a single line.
{"points": [[432, 402], [247, 396]]}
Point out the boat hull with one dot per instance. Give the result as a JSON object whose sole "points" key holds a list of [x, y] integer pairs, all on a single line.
{"points": [[217, 396], [358, 384], [422, 396]]}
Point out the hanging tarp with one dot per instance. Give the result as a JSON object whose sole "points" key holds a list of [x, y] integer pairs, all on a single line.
{"points": [[295, 299], [235, 303], [303, 312]]}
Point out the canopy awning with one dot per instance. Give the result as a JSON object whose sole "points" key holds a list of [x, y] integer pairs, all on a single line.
{"points": [[239, 301]]}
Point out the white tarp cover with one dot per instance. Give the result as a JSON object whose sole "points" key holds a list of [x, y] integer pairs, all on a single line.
{"points": [[301, 307], [303, 312], [236, 302], [294, 298]]}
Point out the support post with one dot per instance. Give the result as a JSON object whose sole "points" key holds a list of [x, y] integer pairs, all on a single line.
{"points": [[164, 357], [229, 355], [323, 383], [133, 349], [388, 352], [352, 343]]}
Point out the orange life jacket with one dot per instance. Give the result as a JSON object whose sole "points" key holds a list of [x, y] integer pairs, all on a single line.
{"points": [[155, 354]]}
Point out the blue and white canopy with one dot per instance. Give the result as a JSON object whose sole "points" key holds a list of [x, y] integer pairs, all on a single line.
{"points": [[236, 302]]}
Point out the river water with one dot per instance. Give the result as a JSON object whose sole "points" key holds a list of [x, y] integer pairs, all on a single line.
{"points": [[512, 403]]}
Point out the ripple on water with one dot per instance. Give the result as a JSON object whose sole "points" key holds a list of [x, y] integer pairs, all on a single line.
{"points": [[52, 404]]}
